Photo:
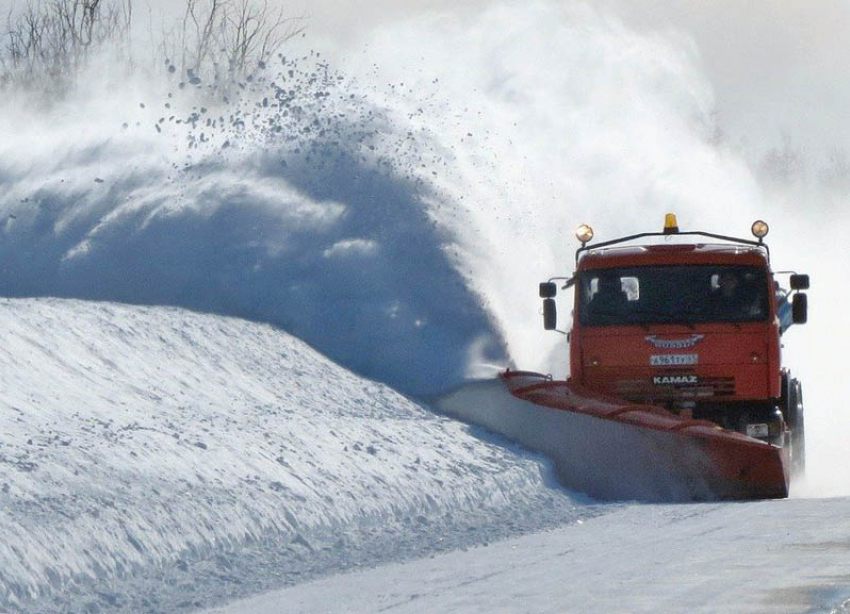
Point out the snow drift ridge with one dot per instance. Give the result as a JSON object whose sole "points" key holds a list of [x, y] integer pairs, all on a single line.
{"points": [[145, 439]]}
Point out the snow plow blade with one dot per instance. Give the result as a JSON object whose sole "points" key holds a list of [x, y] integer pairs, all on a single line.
{"points": [[609, 448]]}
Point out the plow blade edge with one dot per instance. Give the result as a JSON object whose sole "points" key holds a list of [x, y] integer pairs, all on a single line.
{"points": [[611, 449]]}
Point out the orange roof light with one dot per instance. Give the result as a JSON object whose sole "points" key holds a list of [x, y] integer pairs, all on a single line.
{"points": [[671, 225]]}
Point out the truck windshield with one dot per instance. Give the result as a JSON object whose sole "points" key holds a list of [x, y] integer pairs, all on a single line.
{"points": [[672, 294]]}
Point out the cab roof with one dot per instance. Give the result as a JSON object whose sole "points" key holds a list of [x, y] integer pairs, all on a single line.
{"points": [[667, 255]]}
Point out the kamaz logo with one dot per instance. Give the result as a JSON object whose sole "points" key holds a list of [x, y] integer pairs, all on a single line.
{"points": [[674, 344], [662, 380]]}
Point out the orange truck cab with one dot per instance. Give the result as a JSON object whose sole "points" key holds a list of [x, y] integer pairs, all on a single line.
{"points": [[693, 327]]}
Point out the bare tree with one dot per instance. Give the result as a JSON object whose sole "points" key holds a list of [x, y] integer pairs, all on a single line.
{"points": [[50, 41], [222, 40], [198, 42], [254, 33]]}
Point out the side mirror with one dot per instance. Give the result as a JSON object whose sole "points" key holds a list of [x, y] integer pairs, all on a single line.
{"points": [[800, 309], [548, 289], [550, 314], [799, 282]]}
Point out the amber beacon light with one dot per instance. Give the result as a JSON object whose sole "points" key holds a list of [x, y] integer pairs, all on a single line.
{"points": [[671, 225]]}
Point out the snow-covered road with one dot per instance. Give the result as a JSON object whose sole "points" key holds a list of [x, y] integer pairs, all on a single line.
{"points": [[777, 557]]}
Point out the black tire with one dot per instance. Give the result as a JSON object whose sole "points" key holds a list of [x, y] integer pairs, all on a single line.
{"points": [[797, 425]]}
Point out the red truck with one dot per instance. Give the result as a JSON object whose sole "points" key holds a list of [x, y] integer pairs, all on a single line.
{"points": [[693, 327], [677, 390]]}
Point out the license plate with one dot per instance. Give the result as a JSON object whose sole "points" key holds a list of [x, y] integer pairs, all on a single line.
{"points": [[673, 360]]}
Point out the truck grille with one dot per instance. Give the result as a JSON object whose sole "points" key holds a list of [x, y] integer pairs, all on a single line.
{"points": [[645, 389]]}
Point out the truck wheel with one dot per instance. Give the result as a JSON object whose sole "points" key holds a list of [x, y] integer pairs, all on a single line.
{"points": [[796, 422]]}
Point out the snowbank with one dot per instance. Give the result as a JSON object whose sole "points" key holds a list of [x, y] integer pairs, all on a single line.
{"points": [[140, 439]]}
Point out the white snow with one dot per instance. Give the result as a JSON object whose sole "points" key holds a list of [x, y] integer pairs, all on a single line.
{"points": [[151, 440], [777, 557], [351, 247]]}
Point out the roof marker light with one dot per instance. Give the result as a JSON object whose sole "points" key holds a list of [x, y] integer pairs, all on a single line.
{"points": [[671, 225], [584, 233], [760, 229]]}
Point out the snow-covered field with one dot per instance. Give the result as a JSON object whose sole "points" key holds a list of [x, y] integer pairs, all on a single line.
{"points": [[154, 459]]}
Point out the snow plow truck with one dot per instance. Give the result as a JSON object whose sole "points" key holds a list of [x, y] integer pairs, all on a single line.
{"points": [[677, 389]]}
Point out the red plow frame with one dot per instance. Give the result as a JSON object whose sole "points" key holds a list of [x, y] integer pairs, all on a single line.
{"points": [[609, 448], [731, 465]]}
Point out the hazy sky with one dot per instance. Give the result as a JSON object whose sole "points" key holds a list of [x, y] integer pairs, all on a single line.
{"points": [[773, 65], [778, 68]]}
